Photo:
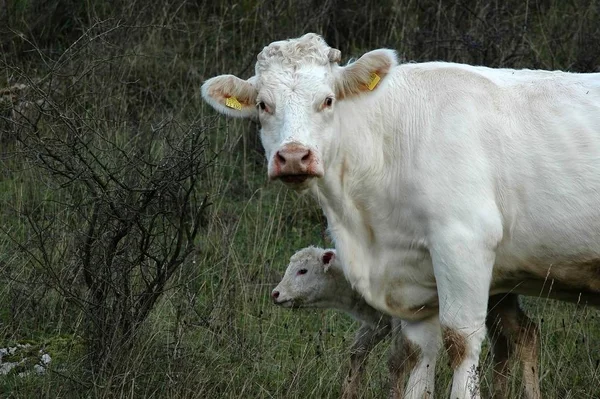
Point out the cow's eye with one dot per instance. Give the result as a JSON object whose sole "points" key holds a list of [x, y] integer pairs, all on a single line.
{"points": [[328, 102], [262, 105], [302, 271]]}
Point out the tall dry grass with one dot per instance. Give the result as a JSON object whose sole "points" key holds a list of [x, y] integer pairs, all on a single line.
{"points": [[126, 67]]}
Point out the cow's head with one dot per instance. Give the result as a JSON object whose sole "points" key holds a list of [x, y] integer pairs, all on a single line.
{"points": [[294, 95]]}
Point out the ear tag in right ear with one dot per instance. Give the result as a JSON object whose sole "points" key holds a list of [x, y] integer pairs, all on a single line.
{"points": [[233, 102], [374, 80]]}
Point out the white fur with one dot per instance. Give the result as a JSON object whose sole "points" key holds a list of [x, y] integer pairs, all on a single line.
{"points": [[458, 181]]}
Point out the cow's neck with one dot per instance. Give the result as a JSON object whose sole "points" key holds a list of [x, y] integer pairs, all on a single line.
{"points": [[354, 172], [348, 196]]}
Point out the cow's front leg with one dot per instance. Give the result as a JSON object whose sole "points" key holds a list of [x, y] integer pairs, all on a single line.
{"points": [[414, 352], [462, 262]]}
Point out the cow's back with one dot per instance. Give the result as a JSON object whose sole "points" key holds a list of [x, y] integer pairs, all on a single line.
{"points": [[539, 132], [548, 166]]}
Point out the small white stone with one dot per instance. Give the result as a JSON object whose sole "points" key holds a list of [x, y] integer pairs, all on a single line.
{"points": [[6, 367], [46, 358], [39, 369]]}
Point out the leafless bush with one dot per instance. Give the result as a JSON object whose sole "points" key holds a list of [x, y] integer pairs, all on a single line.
{"points": [[129, 203]]}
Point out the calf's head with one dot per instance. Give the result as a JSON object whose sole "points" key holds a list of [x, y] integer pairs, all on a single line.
{"points": [[294, 95], [310, 280]]}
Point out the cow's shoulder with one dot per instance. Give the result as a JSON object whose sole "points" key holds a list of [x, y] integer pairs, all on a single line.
{"points": [[439, 78]]}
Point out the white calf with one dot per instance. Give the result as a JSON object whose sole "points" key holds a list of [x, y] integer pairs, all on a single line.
{"points": [[315, 279]]}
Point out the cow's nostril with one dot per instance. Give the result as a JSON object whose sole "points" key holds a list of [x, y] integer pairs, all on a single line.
{"points": [[280, 158], [306, 157], [275, 294]]}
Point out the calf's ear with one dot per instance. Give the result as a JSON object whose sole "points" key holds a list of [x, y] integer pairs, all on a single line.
{"points": [[328, 258], [231, 96], [365, 74]]}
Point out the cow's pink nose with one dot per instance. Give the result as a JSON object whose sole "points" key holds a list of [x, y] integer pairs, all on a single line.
{"points": [[293, 159], [275, 294]]}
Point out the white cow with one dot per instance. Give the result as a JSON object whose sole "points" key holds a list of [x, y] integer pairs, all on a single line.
{"points": [[442, 183], [315, 279]]}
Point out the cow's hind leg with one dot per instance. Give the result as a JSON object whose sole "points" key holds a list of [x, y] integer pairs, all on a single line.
{"points": [[513, 336]]}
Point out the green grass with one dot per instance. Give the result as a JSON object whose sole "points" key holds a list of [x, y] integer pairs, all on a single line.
{"points": [[214, 332]]}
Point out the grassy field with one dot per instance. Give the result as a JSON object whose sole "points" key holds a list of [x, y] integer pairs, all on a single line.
{"points": [[112, 91]]}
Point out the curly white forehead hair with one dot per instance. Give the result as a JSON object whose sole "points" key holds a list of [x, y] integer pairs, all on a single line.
{"points": [[287, 53], [307, 254]]}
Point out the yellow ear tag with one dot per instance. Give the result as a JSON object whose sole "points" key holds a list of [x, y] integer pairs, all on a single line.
{"points": [[374, 80], [233, 102]]}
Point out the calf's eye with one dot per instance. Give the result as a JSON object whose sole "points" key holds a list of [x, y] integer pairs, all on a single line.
{"points": [[328, 102], [302, 271], [262, 105]]}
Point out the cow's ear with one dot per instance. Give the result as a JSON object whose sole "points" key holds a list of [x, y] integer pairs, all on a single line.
{"points": [[328, 258], [365, 74], [231, 96]]}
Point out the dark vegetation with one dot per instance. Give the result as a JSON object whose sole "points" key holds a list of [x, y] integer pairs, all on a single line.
{"points": [[139, 239]]}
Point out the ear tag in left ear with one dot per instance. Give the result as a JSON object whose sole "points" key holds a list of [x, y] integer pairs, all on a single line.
{"points": [[374, 80], [233, 102]]}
